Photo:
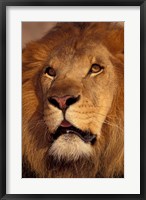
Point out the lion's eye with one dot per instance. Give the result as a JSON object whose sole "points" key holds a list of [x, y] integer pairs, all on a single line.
{"points": [[96, 68], [50, 71]]}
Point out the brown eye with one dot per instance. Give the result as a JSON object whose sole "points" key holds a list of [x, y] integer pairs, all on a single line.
{"points": [[50, 71], [96, 68]]}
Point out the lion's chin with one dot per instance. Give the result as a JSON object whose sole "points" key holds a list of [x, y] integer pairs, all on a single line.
{"points": [[70, 147]]}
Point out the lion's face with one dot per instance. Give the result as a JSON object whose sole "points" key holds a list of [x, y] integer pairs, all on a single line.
{"points": [[77, 84]]}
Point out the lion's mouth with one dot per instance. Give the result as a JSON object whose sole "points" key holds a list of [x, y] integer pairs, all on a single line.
{"points": [[67, 128]]}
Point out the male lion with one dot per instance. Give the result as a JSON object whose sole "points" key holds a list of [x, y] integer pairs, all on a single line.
{"points": [[73, 95]]}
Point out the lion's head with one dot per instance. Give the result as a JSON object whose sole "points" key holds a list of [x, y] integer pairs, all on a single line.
{"points": [[73, 101]]}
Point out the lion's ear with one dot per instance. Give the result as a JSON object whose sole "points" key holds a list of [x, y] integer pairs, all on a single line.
{"points": [[115, 39]]}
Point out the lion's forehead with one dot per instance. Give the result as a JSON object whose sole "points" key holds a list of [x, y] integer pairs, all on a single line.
{"points": [[79, 50], [81, 58]]}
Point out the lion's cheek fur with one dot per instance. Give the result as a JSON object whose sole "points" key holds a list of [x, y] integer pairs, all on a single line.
{"points": [[89, 117], [52, 118]]}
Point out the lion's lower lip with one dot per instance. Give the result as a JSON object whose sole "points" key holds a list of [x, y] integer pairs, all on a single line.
{"points": [[85, 136]]}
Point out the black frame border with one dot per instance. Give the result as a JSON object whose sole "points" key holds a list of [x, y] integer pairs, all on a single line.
{"points": [[3, 5]]}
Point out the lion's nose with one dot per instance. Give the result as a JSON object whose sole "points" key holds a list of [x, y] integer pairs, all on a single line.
{"points": [[63, 102]]}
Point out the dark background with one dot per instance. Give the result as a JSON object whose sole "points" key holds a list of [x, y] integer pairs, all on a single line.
{"points": [[34, 30]]}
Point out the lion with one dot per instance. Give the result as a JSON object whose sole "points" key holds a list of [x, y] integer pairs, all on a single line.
{"points": [[73, 102]]}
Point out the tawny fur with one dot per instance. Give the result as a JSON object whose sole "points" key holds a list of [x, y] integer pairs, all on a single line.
{"points": [[71, 47]]}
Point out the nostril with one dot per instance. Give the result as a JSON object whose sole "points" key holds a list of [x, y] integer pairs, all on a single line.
{"points": [[54, 102], [72, 100], [63, 102]]}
